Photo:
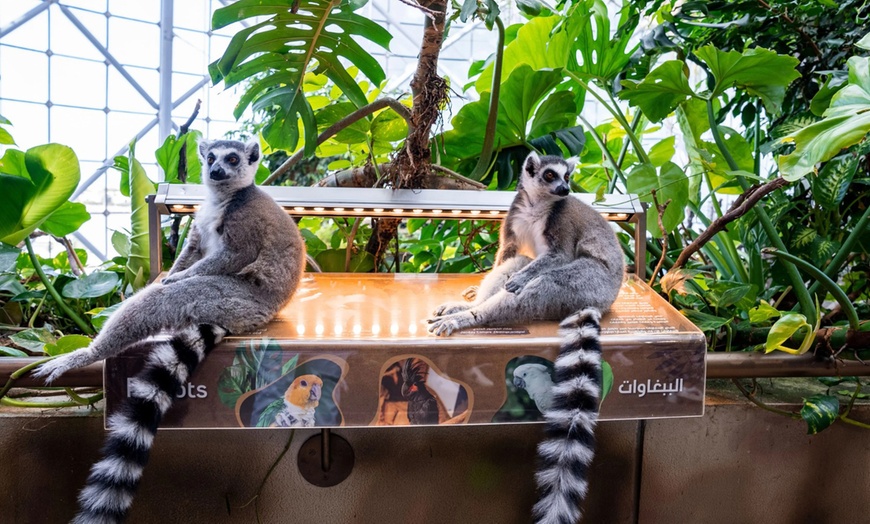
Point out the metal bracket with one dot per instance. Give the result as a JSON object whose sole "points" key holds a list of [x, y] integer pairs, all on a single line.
{"points": [[325, 460]]}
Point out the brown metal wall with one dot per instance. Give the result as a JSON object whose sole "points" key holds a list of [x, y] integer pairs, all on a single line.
{"points": [[737, 464]]}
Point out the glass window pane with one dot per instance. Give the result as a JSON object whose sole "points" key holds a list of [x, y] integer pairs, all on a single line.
{"points": [[84, 130], [23, 74], [78, 82]]}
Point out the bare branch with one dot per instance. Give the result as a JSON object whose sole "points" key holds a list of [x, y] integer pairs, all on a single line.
{"points": [[660, 211], [741, 206]]}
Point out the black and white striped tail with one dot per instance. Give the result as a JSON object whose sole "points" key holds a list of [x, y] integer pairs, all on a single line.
{"points": [[567, 450], [110, 487]]}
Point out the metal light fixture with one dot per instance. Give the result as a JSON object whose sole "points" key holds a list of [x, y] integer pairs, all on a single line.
{"points": [[382, 202]]}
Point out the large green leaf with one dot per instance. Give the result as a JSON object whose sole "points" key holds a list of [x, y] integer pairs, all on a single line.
{"points": [[761, 72], [168, 156], [597, 52], [845, 123], [521, 95], [297, 37], [138, 268], [67, 344], [66, 220], [136, 184], [537, 45], [660, 92], [670, 183], [35, 188], [95, 285]]}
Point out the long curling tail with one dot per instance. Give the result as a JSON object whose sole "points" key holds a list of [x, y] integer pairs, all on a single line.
{"points": [[569, 446], [108, 493]]}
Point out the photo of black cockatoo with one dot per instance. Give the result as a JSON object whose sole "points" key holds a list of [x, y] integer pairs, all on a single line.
{"points": [[422, 405]]}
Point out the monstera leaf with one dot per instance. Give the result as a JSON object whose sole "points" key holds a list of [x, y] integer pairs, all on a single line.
{"points": [[845, 123], [34, 185], [530, 111], [297, 37]]}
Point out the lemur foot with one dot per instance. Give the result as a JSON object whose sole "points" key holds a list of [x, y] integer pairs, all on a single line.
{"points": [[446, 325], [54, 368], [470, 293], [448, 308]]}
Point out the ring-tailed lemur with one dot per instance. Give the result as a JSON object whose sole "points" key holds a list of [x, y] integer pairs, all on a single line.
{"points": [[557, 257], [241, 263]]}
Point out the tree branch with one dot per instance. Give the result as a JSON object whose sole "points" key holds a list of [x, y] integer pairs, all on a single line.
{"points": [[740, 207], [342, 124]]}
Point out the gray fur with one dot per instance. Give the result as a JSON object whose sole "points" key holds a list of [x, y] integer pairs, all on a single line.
{"points": [[556, 256], [241, 263]]}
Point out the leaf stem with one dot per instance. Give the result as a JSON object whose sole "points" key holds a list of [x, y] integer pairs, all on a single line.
{"points": [[797, 283], [483, 162], [829, 285], [638, 148], [86, 329], [751, 398]]}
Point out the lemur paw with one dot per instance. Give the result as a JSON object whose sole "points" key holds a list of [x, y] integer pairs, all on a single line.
{"points": [[514, 286], [448, 308], [54, 368], [470, 293], [443, 326]]}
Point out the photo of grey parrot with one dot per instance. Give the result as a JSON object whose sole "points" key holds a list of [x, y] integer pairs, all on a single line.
{"points": [[535, 379]]}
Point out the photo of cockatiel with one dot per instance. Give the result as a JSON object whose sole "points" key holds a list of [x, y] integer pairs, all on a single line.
{"points": [[422, 404], [535, 379], [300, 401]]}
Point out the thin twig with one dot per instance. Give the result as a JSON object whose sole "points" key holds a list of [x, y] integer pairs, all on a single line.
{"points": [[660, 211], [332, 130], [75, 264], [751, 398], [428, 12], [350, 238], [453, 174], [741, 206]]}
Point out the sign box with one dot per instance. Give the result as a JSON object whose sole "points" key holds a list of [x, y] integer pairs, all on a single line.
{"points": [[353, 350]]}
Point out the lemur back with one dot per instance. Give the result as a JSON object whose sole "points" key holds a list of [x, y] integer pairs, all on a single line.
{"points": [[242, 261], [557, 259]]}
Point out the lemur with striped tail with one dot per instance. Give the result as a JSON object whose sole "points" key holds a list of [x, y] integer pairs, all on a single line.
{"points": [[242, 261], [558, 259]]}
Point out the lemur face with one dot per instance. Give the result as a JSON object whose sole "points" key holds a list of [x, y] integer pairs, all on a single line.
{"points": [[228, 164], [548, 176]]}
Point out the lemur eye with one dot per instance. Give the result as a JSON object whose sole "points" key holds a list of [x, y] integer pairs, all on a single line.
{"points": [[548, 176], [232, 160], [210, 159], [304, 384]]}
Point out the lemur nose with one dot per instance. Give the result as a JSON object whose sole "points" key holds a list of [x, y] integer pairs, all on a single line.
{"points": [[217, 173], [562, 190]]}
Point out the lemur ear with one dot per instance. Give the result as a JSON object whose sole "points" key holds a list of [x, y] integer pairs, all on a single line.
{"points": [[204, 146], [252, 151], [532, 163], [572, 163]]}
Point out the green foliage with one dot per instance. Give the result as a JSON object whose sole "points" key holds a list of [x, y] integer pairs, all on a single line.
{"points": [[35, 184], [276, 53], [819, 412], [136, 184], [846, 122], [256, 364]]}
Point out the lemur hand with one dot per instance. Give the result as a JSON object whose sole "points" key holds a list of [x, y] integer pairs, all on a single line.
{"points": [[515, 284]]}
